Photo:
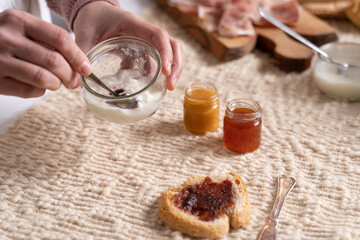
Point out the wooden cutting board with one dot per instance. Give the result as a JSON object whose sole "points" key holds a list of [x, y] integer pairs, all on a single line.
{"points": [[285, 52]]}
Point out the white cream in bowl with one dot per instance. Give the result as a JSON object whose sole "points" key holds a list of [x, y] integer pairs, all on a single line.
{"points": [[147, 102], [335, 80]]}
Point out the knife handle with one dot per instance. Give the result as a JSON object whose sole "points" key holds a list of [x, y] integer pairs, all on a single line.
{"points": [[285, 184]]}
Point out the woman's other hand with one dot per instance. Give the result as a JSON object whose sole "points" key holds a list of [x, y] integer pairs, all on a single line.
{"points": [[100, 20], [36, 55]]}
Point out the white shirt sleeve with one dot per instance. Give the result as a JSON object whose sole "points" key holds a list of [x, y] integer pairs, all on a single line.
{"points": [[35, 7], [7, 4]]}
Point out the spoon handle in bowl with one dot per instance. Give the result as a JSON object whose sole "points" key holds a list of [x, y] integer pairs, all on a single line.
{"points": [[96, 80]]}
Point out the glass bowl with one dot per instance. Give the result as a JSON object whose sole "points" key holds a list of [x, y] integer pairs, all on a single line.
{"points": [[131, 67], [335, 80]]}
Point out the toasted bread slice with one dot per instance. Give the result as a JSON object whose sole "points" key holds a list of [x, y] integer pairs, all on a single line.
{"points": [[238, 215]]}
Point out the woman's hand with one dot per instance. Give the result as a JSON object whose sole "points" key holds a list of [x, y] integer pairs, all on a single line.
{"points": [[99, 20], [36, 55]]}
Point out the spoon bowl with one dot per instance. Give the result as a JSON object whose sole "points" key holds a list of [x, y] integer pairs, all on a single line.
{"points": [[121, 103]]}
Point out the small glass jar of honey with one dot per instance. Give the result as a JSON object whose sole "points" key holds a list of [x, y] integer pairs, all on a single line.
{"points": [[201, 108], [242, 126]]}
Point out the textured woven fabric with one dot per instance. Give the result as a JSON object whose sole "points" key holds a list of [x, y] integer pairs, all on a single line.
{"points": [[66, 174]]}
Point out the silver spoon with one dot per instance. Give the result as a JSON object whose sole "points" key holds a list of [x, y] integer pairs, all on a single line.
{"points": [[298, 37], [97, 80], [285, 184], [121, 103]]}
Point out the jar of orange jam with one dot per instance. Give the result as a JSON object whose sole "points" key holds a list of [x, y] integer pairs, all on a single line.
{"points": [[242, 126], [201, 108]]}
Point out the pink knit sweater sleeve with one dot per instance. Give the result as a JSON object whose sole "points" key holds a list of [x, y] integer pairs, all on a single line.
{"points": [[68, 9]]}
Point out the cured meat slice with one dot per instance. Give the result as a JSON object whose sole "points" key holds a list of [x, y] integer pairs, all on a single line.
{"points": [[210, 17], [185, 5], [236, 17], [288, 11], [240, 26], [192, 5], [236, 21], [213, 2]]}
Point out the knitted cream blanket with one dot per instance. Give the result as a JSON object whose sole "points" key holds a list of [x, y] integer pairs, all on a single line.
{"points": [[66, 174]]}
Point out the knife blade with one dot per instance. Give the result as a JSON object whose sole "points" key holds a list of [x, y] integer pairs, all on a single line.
{"points": [[269, 231]]}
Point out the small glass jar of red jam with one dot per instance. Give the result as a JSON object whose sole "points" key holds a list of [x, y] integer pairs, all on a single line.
{"points": [[201, 108], [242, 126]]}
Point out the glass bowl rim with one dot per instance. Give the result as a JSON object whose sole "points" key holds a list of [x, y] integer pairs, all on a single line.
{"points": [[331, 44], [90, 55]]}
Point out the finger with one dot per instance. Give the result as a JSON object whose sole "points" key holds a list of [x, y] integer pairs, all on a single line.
{"points": [[131, 56], [128, 59], [176, 67], [79, 82], [13, 87], [84, 43], [59, 39], [149, 65], [31, 74], [160, 39], [162, 43], [48, 59]]}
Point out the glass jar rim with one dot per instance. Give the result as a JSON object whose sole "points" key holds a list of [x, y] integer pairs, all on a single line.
{"points": [[331, 44], [251, 104], [91, 55], [201, 85]]}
